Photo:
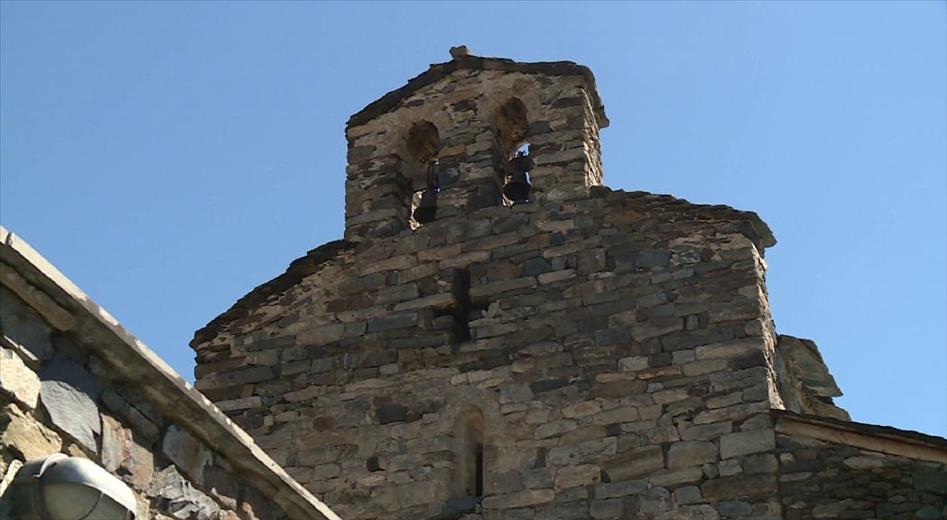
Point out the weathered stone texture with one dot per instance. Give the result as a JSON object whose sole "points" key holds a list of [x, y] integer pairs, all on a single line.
{"points": [[821, 479], [584, 380], [60, 394], [615, 349], [17, 380], [608, 339], [804, 380], [113, 428]]}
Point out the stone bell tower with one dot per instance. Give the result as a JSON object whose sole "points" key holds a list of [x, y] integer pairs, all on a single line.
{"points": [[587, 353], [471, 114]]}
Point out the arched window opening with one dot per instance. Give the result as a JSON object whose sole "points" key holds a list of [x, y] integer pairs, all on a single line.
{"points": [[423, 145], [512, 151], [512, 127], [478, 454], [469, 468]]}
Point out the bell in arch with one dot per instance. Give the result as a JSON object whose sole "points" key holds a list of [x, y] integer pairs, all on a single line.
{"points": [[427, 206], [518, 187]]}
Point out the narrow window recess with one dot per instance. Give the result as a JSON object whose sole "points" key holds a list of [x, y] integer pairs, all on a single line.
{"points": [[422, 146], [460, 286], [470, 461], [478, 455]]}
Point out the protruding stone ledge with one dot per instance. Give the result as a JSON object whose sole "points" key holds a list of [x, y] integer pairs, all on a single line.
{"points": [[882, 439]]}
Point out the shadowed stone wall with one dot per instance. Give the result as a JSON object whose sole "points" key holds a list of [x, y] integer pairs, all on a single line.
{"points": [[833, 469], [75, 383], [823, 480]]}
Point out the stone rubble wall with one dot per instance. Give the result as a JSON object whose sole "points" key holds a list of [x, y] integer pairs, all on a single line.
{"points": [[820, 479], [61, 399], [618, 346], [73, 381]]}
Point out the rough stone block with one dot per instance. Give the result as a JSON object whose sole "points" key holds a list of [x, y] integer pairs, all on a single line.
{"points": [[635, 463], [744, 443], [390, 413], [671, 478], [23, 327], [121, 451], [23, 434], [555, 428], [526, 498], [606, 509], [69, 393], [17, 380], [740, 487], [693, 453], [188, 453], [572, 476], [179, 498], [393, 321]]}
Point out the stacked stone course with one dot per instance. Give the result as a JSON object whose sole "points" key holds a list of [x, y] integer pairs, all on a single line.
{"points": [[617, 347]]}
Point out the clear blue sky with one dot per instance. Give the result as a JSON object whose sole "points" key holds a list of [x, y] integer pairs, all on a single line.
{"points": [[169, 157]]}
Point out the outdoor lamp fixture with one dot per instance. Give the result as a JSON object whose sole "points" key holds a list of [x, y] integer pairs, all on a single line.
{"points": [[59, 487], [427, 207], [517, 188]]}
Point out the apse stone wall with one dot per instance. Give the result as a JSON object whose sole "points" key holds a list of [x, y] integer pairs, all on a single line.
{"points": [[73, 382]]}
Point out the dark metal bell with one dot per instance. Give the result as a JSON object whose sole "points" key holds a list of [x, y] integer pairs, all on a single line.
{"points": [[427, 207], [517, 189]]}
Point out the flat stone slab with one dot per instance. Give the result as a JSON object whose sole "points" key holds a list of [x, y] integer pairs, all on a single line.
{"points": [[69, 392]]}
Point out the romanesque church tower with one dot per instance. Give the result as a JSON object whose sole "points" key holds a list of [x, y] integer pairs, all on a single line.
{"points": [[501, 336]]}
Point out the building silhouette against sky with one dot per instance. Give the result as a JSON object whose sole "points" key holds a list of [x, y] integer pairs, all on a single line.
{"points": [[499, 335]]}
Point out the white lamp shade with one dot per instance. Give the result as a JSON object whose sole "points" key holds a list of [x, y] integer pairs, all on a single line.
{"points": [[59, 487]]}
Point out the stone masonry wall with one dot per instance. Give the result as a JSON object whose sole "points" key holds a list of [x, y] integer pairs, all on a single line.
{"points": [[61, 399], [618, 347], [588, 354], [473, 120], [74, 381], [820, 479]]}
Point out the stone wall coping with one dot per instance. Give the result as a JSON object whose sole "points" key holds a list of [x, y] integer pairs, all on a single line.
{"points": [[884, 439], [132, 360], [438, 71]]}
